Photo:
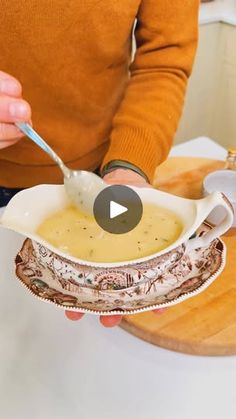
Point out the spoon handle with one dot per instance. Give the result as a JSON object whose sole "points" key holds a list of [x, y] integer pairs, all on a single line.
{"points": [[35, 137]]}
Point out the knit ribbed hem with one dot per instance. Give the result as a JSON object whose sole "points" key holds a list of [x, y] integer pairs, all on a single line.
{"points": [[137, 146]]}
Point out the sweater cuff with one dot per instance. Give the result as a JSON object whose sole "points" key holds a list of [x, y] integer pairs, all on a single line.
{"points": [[137, 146]]}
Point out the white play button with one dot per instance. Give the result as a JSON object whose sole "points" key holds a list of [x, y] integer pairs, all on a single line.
{"points": [[116, 209]]}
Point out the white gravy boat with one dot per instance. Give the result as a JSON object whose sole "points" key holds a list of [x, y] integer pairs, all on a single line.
{"points": [[28, 208]]}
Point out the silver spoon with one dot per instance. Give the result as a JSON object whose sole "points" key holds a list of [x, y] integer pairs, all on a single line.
{"points": [[81, 186]]}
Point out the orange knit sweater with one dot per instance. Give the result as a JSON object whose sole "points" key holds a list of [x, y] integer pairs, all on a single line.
{"points": [[73, 59]]}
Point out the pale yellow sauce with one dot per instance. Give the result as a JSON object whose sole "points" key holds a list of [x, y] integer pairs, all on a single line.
{"points": [[79, 235]]}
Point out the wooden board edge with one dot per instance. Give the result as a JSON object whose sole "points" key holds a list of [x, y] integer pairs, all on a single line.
{"points": [[182, 346]]}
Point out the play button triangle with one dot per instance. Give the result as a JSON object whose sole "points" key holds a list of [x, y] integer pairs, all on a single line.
{"points": [[116, 209]]}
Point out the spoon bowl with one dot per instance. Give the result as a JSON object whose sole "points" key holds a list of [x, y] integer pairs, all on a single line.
{"points": [[81, 186]]}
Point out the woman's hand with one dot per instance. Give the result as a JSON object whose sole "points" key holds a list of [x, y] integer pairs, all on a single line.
{"points": [[125, 177], [12, 109]]}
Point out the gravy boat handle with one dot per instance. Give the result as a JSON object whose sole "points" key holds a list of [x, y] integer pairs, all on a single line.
{"points": [[206, 205]]}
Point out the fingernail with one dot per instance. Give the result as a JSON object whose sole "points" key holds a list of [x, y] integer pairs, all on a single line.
{"points": [[18, 110], [9, 87], [159, 310]]}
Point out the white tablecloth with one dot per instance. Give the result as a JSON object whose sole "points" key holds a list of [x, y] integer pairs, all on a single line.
{"points": [[53, 368]]}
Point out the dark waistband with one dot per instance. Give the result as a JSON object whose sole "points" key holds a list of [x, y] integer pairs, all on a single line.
{"points": [[6, 194]]}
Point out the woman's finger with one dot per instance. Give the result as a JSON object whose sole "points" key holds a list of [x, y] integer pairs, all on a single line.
{"points": [[9, 133], [9, 85], [13, 110], [73, 315], [110, 321], [5, 144], [159, 310]]}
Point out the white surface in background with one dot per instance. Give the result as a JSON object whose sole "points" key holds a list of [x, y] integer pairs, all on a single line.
{"points": [[200, 147], [51, 367], [218, 11]]}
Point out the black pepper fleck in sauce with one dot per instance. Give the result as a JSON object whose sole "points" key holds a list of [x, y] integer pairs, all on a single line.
{"points": [[141, 243]]}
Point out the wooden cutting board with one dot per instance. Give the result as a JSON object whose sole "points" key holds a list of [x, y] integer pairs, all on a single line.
{"points": [[205, 324]]}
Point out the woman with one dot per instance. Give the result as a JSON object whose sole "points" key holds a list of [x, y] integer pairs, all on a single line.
{"points": [[70, 64]]}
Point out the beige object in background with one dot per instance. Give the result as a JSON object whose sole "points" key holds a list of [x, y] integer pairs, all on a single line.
{"points": [[211, 99]]}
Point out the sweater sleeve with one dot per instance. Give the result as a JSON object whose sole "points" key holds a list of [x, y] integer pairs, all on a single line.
{"points": [[146, 121]]}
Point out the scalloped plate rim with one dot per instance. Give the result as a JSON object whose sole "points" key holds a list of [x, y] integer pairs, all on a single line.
{"points": [[173, 302]]}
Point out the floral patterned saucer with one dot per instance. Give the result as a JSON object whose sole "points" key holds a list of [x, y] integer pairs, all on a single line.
{"points": [[187, 275]]}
